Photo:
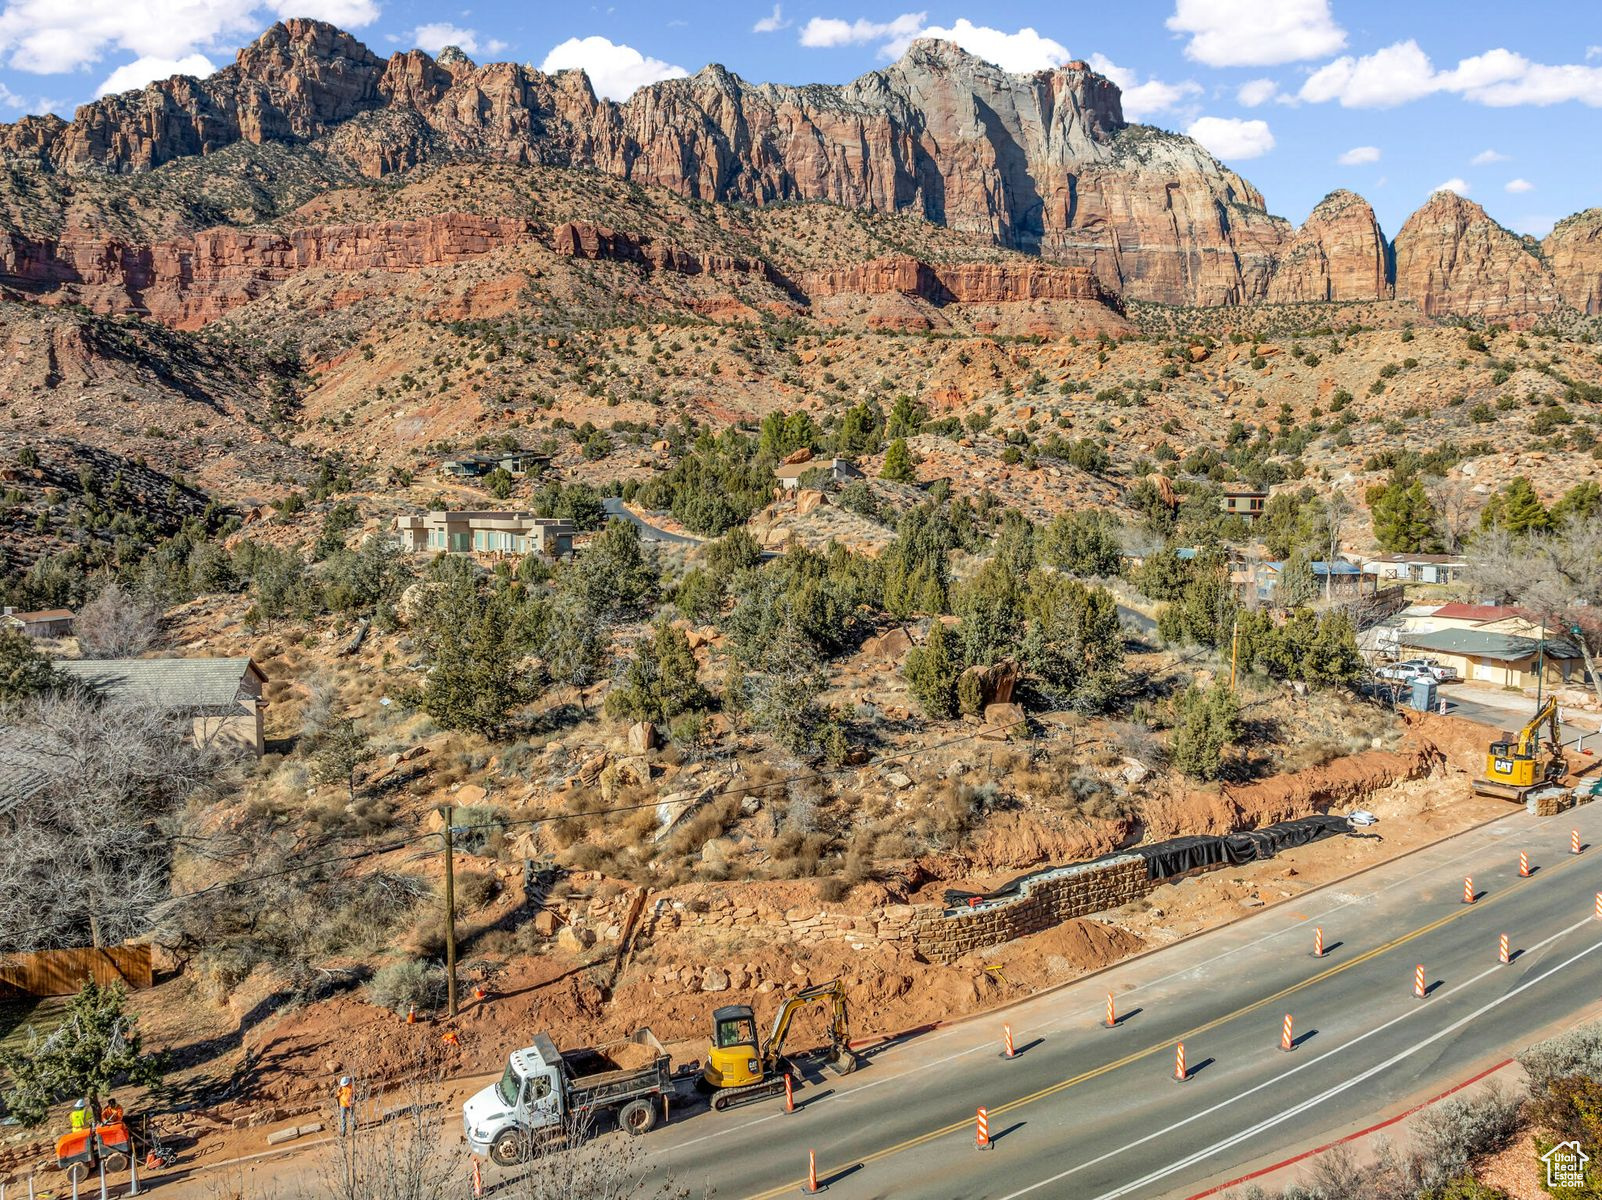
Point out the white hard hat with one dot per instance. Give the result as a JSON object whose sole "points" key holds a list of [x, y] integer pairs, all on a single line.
{"points": [[343, 1080], [80, 1105]]}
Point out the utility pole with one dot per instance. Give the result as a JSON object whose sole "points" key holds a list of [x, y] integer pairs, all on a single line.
{"points": [[450, 913], [1234, 651]]}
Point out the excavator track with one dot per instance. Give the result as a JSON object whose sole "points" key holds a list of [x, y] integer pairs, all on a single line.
{"points": [[730, 1097]]}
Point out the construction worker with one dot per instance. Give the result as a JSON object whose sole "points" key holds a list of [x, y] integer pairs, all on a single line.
{"points": [[111, 1113], [79, 1120], [345, 1098]]}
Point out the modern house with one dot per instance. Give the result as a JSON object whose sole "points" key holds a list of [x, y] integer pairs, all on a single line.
{"points": [[500, 533], [840, 470], [223, 696], [46, 623], [1416, 568], [1243, 502], [516, 463]]}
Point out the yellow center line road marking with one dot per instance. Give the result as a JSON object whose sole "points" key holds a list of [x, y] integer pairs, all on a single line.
{"points": [[1166, 1045]]}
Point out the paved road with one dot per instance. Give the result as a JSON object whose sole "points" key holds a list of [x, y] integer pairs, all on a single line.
{"points": [[1093, 1113], [615, 507], [1501, 711]]}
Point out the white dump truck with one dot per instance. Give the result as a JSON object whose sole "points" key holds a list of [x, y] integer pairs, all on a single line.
{"points": [[544, 1092]]}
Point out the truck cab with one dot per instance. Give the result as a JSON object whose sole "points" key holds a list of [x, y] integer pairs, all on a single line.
{"points": [[528, 1097]]}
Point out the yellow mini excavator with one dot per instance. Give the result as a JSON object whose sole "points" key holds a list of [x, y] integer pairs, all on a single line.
{"points": [[739, 1069], [1515, 768]]}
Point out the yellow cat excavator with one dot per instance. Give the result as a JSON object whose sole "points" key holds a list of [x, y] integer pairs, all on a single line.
{"points": [[739, 1069], [1515, 768]]}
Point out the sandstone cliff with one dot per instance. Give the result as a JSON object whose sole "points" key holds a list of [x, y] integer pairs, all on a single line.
{"points": [[1043, 163], [1339, 253], [960, 283], [1453, 259], [1574, 251]]}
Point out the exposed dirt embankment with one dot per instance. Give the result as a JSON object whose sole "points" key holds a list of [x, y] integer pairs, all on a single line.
{"points": [[1343, 783]]}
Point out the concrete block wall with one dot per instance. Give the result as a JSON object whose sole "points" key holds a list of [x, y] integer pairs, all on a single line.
{"points": [[944, 935]]}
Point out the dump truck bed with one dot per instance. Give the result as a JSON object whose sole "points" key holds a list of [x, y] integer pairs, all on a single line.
{"points": [[618, 1071]]}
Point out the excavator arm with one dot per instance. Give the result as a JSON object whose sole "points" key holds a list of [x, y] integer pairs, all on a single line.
{"points": [[832, 993], [1529, 742]]}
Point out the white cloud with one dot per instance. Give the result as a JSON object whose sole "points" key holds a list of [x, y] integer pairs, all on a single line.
{"points": [[821, 33], [1020, 53], [51, 36], [1593, 52], [1518, 185], [148, 69], [1358, 155], [615, 72], [1227, 33], [1142, 100], [771, 24], [1231, 137], [1391, 76], [347, 14], [1454, 184], [1256, 91], [1402, 72], [436, 35], [1486, 157]]}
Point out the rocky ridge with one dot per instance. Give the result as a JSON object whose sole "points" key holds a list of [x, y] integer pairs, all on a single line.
{"points": [[1042, 163]]}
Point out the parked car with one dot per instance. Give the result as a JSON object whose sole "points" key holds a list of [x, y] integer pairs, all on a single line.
{"points": [[1417, 668]]}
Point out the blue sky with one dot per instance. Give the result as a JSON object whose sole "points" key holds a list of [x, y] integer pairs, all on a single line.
{"points": [[1502, 101]]}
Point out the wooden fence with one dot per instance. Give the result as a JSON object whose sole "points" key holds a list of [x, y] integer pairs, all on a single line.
{"points": [[62, 972]]}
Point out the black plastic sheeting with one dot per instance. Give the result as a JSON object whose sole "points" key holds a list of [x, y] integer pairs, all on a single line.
{"points": [[1188, 853], [1178, 855]]}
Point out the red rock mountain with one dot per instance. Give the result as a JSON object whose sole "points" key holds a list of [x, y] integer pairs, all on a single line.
{"points": [[1042, 163]]}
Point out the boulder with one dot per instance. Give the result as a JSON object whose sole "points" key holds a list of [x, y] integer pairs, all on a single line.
{"points": [[714, 980], [1005, 720], [574, 939], [642, 737], [809, 499], [891, 645], [798, 456]]}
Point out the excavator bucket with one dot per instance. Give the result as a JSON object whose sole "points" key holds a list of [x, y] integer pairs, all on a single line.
{"points": [[844, 1060]]}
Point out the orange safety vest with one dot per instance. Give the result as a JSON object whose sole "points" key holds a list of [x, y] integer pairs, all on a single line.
{"points": [[347, 1096], [111, 1115]]}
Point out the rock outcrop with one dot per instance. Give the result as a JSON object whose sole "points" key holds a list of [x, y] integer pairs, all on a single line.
{"points": [[1574, 252], [1453, 259], [189, 282], [960, 283], [1043, 163], [1339, 253]]}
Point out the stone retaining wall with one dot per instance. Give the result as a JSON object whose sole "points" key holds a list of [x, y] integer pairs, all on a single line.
{"points": [[944, 935], [934, 931]]}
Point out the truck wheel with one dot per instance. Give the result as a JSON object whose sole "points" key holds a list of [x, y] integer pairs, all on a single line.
{"points": [[509, 1148], [637, 1116]]}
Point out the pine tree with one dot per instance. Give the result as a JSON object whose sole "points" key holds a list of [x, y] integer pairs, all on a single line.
{"points": [[1404, 519], [898, 466], [659, 681], [931, 674], [1208, 722], [1517, 509], [95, 1047]]}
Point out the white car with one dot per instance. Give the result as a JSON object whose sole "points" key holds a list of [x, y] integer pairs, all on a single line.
{"points": [[1418, 668]]}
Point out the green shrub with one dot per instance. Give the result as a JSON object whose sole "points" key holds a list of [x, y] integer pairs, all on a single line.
{"points": [[401, 985]]}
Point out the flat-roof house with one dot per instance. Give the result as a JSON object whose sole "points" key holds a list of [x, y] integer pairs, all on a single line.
{"points": [[1243, 502], [45, 623], [474, 466], [1416, 568], [222, 695], [489, 532], [840, 470]]}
